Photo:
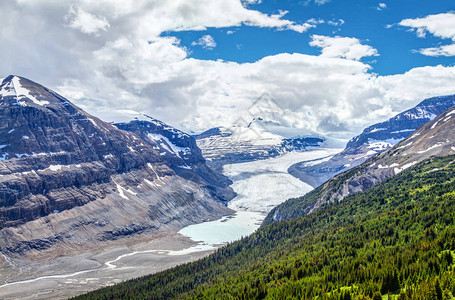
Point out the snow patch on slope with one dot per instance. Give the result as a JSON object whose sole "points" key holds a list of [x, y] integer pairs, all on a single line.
{"points": [[8, 90], [379, 146], [421, 114], [22, 92], [406, 166], [157, 176], [55, 168], [121, 191], [168, 145], [430, 148]]}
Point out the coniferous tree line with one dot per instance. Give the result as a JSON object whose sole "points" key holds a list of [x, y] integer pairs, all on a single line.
{"points": [[395, 240]]}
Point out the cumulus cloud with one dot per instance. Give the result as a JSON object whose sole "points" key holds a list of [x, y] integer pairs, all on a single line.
{"points": [[418, 83], [343, 47], [206, 41], [446, 50], [132, 67], [440, 25], [185, 15], [86, 22]]}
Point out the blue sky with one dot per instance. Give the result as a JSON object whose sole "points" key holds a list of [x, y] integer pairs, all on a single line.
{"points": [[333, 68], [364, 20]]}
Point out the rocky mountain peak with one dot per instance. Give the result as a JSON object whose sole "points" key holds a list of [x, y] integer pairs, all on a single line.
{"points": [[401, 126], [37, 121], [181, 153], [435, 138], [67, 177], [374, 139], [25, 92]]}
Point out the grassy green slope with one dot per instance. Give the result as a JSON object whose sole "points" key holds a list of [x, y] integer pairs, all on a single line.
{"points": [[396, 238]]}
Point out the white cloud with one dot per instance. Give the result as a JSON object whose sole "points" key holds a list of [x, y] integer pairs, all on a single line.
{"points": [[198, 15], [342, 47], [206, 42], [381, 6], [339, 94], [86, 22], [308, 2], [446, 50], [440, 25], [132, 67], [418, 83], [301, 28]]}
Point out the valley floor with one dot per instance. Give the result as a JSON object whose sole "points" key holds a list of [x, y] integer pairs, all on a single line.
{"points": [[260, 186], [63, 277]]}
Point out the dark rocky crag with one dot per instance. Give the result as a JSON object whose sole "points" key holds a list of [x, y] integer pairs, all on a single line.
{"points": [[372, 140], [70, 181], [181, 153], [435, 138]]}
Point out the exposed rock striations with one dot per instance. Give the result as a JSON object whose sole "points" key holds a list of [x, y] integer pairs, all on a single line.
{"points": [[68, 179], [181, 153]]}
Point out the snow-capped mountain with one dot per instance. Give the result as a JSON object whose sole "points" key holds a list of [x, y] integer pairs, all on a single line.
{"points": [[173, 145], [263, 130], [226, 145], [181, 153], [435, 138], [372, 140], [70, 182]]}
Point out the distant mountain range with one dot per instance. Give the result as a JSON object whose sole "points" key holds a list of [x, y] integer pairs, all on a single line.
{"points": [[372, 140], [69, 180], [237, 144], [433, 139]]}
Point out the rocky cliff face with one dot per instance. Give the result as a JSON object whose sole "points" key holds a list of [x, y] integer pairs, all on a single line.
{"points": [[373, 140], [435, 138], [181, 153], [68, 179]]}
